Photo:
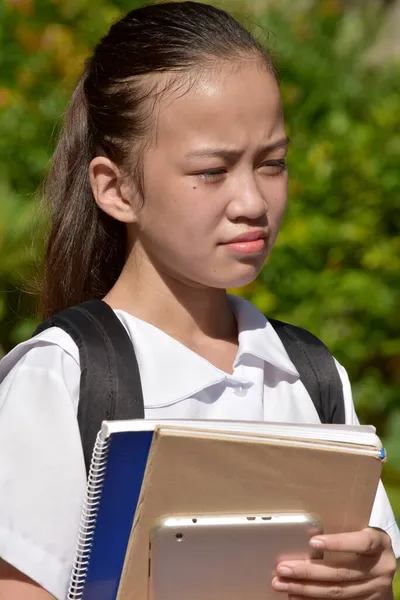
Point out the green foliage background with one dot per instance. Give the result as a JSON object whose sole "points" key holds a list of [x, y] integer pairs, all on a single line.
{"points": [[335, 269]]}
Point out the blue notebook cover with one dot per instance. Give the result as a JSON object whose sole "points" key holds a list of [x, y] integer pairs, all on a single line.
{"points": [[119, 498]]}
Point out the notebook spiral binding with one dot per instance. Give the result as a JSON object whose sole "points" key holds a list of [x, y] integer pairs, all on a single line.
{"points": [[88, 519]]}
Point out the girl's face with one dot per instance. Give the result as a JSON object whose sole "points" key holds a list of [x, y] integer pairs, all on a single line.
{"points": [[215, 172]]}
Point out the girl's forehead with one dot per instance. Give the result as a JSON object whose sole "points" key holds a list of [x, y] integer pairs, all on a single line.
{"points": [[231, 103]]}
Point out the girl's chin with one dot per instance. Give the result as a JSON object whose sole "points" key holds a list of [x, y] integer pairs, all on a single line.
{"points": [[239, 276]]}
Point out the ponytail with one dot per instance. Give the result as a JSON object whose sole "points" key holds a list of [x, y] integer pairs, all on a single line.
{"points": [[86, 248]]}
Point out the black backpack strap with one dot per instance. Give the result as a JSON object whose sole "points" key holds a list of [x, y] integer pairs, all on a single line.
{"points": [[316, 368], [110, 384]]}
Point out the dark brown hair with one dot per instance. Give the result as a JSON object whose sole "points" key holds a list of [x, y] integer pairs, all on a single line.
{"points": [[109, 114]]}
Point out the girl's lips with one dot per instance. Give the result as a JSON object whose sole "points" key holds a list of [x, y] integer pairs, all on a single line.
{"points": [[248, 247], [250, 236], [252, 242]]}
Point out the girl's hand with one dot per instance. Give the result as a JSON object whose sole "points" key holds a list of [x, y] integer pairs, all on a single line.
{"points": [[368, 577]]}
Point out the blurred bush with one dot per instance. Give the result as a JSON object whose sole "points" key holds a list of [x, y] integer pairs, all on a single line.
{"points": [[335, 269]]}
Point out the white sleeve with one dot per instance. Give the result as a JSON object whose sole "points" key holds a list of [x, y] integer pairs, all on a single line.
{"points": [[382, 514], [42, 472]]}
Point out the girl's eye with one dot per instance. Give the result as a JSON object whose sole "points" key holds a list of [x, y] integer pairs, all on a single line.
{"points": [[274, 167], [211, 174]]}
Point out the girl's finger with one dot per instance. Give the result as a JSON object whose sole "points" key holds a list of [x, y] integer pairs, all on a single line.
{"points": [[318, 571], [369, 541], [374, 596], [319, 590]]}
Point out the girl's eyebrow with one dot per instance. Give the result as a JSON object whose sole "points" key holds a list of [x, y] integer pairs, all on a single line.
{"points": [[232, 153]]}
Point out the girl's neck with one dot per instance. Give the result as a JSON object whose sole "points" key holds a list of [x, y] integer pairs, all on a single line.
{"points": [[187, 312]]}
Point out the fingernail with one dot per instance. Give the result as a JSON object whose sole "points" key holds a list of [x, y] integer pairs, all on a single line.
{"points": [[280, 585], [285, 571], [317, 543]]}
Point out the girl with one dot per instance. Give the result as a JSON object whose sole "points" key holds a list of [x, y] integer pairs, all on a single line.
{"points": [[167, 187]]}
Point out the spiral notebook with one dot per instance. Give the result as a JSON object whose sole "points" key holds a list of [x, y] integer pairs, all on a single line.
{"points": [[143, 469]]}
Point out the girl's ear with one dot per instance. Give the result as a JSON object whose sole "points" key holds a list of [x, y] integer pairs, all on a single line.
{"points": [[113, 193]]}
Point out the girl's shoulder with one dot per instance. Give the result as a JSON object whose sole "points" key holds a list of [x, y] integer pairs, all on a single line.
{"points": [[51, 353], [51, 341]]}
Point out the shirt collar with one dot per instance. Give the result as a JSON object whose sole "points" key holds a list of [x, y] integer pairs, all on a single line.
{"points": [[171, 372], [257, 337]]}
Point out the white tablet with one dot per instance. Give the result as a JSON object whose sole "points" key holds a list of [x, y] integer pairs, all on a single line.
{"points": [[230, 557]]}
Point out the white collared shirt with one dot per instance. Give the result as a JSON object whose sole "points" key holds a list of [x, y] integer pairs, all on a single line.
{"points": [[42, 473]]}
